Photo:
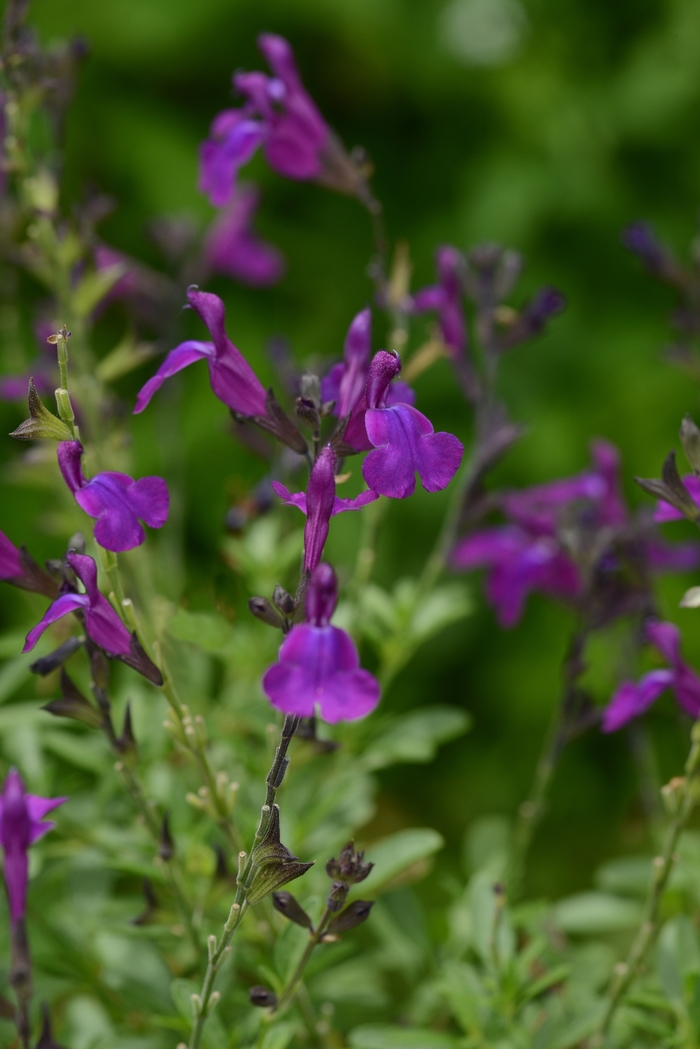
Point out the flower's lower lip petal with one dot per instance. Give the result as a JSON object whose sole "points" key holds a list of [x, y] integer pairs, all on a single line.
{"points": [[61, 607], [290, 690], [119, 530], [349, 695], [181, 357]]}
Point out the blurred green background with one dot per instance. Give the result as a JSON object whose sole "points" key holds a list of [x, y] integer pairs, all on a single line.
{"points": [[547, 125]]}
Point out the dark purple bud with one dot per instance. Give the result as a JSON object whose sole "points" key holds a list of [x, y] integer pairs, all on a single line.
{"points": [[321, 595], [337, 896], [289, 906], [283, 600], [384, 367], [262, 997], [19, 569], [351, 917], [146, 915], [350, 866], [57, 658], [261, 608], [532, 318], [320, 503], [46, 1040], [641, 239], [166, 847], [74, 705], [126, 743]]}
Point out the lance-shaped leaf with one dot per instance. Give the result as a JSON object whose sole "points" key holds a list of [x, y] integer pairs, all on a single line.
{"points": [[41, 424], [354, 914], [273, 864], [290, 907], [74, 705], [671, 489]]}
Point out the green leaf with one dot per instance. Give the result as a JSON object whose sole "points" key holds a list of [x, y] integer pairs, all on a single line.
{"points": [[278, 1037], [13, 674], [126, 356], [386, 1036], [395, 855], [84, 750], [630, 876], [415, 737], [181, 992], [591, 913], [212, 633], [94, 286]]}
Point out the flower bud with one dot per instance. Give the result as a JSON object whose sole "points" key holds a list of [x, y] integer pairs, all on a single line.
{"points": [[262, 997], [351, 917], [261, 608], [289, 906]]}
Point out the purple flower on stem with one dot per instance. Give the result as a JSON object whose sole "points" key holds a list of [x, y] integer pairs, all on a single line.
{"points": [[102, 624], [665, 512], [403, 440], [318, 665], [18, 568], [632, 699], [232, 379], [277, 114], [346, 381], [320, 503], [519, 562], [445, 298], [21, 824], [115, 499], [231, 246]]}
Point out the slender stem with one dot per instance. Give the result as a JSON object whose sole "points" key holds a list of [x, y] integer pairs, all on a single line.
{"points": [[21, 978], [662, 867], [532, 810], [438, 557], [293, 982], [205, 1000]]}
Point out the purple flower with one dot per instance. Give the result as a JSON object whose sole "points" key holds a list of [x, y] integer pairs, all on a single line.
{"points": [[641, 239], [632, 699], [320, 503], [520, 562], [346, 381], [232, 379], [102, 624], [115, 499], [18, 568], [21, 824], [318, 665], [666, 512], [446, 298], [277, 114], [403, 440], [232, 247]]}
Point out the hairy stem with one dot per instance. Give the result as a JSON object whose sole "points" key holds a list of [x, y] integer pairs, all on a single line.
{"points": [[662, 867], [204, 1002]]}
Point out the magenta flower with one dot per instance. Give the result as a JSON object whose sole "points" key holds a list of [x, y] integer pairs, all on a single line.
{"points": [[346, 381], [519, 563], [320, 503], [102, 624], [232, 247], [318, 665], [21, 824], [445, 298], [277, 114], [666, 512], [18, 568], [232, 379], [632, 699], [403, 440], [115, 499]]}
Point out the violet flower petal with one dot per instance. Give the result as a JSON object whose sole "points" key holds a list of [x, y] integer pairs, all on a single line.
{"points": [[60, 607], [181, 357], [232, 247], [220, 158], [10, 563], [320, 499], [488, 548], [612, 508], [664, 557], [21, 825], [358, 344], [405, 444], [339, 505], [666, 512], [630, 699]]}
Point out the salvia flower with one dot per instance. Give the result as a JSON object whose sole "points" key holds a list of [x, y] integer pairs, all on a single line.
{"points": [[232, 247], [19, 569], [403, 440], [232, 379], [102, 624], [445, 298], [320, 503], [633, 698], [346, 381], [21, 824], [278, 114], [531, 551], [318, 666], [115, 500]]}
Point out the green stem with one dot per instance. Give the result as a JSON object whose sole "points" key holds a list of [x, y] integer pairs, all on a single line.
{"points": [[533, 808], [294, 980], [662, 866], [205, 1000], [438, 557]]}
